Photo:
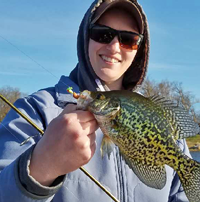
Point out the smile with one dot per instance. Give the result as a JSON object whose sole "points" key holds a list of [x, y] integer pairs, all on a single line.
{"points": [[109, 59]]}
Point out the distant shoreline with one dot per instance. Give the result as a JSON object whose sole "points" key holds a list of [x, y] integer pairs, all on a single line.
{"points": [[194, 150], [193, 147]]}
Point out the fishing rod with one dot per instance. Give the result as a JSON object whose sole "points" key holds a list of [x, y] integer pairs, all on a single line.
{"points": [[42, 133]]}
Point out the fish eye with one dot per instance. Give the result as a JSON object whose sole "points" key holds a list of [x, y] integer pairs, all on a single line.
{"points": [[100, 96]]}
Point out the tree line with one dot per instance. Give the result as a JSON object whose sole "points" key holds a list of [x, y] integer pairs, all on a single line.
{"points": [[175, 92], [11, 94]]}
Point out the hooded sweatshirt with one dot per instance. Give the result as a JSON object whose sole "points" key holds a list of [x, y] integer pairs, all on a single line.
{"points": [[16, 184]]}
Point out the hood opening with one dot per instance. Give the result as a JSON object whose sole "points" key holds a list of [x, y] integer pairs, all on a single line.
{"points": [[84, 74]]}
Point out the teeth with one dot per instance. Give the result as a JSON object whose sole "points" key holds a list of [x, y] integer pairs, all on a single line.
{"points": [[109, 59]]}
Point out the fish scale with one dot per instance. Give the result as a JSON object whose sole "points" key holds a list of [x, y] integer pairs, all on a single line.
{"points": [[146, 131]]}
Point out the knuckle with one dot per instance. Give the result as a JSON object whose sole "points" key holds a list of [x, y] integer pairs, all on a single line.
{"points": [[87, 155], [83, 145], [67, 119], [75, 136], [84, 149]]}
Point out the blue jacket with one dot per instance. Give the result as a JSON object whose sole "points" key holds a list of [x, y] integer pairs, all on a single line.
{"points": [[114, 174]]}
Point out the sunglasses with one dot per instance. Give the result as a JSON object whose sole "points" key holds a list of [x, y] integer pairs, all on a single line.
{"points": [[104, 34]]}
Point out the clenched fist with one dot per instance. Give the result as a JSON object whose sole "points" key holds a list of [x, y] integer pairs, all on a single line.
{"points": [[68, 143]]}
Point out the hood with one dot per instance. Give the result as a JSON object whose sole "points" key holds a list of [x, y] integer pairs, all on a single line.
{"points": [[84, 76]]}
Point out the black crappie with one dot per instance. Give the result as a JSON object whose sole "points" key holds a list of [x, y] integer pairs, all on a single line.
{"points": [[146, 130]]}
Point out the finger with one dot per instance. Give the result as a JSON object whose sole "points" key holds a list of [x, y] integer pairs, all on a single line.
{"points": [[93, 148], [92, 138], [69, 109], [84, 116], [90, 127]]}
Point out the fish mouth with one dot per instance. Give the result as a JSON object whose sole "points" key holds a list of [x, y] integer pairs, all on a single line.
{"points": [[84, 100]]}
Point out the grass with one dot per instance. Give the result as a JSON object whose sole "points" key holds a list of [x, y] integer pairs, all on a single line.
{"points": [[191, 141]]}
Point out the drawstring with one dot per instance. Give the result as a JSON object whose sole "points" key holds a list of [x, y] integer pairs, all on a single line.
{"points": [[99, 84]]}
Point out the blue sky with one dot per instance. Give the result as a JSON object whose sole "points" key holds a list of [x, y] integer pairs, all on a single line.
{"points": [[46, 32]]}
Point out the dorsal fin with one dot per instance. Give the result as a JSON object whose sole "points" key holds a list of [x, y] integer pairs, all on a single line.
{"points": [[178, 117], [162, 101]]}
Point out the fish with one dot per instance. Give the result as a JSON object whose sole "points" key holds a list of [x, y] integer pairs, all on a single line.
{"points": [[146, 131]]}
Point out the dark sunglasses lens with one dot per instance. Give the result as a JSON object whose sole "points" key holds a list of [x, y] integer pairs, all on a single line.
{"points": [[129, 40], [101, 34]]}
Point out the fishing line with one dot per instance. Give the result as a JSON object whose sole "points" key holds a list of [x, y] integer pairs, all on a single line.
{"points": [[33, 60]]}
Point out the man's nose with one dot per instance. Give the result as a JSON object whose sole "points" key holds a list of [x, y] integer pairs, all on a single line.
{"points": [[114, 45]]}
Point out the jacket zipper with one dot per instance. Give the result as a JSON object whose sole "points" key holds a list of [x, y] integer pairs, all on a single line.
{"points": [[120, 175]]}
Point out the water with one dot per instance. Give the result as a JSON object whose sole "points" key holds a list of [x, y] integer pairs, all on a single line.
{"points": [[196, 155]]}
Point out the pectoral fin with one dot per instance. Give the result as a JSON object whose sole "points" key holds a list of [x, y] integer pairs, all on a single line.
{"points": [[107, 146]]}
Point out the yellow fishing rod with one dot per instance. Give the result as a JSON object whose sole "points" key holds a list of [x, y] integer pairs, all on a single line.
{"points": [[42, 132]]}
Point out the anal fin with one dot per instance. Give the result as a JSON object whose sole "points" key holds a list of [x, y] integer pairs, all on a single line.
{"points": [[152, 175]]}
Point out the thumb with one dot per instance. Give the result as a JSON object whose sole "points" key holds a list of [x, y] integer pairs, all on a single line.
{"points": [[68, 109]]}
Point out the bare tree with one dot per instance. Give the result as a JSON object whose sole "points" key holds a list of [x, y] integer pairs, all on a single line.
{"points": [[173, 91], [12, 94]]}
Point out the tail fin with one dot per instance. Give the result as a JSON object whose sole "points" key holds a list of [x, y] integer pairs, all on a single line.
{"points": [[190, 179]]}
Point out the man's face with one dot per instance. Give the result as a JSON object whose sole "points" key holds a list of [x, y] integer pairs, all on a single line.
{"points": [[110, 61]]}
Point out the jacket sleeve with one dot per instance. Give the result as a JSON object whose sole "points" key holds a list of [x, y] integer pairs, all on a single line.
{"points": [[14, 158], [177, 193]]}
